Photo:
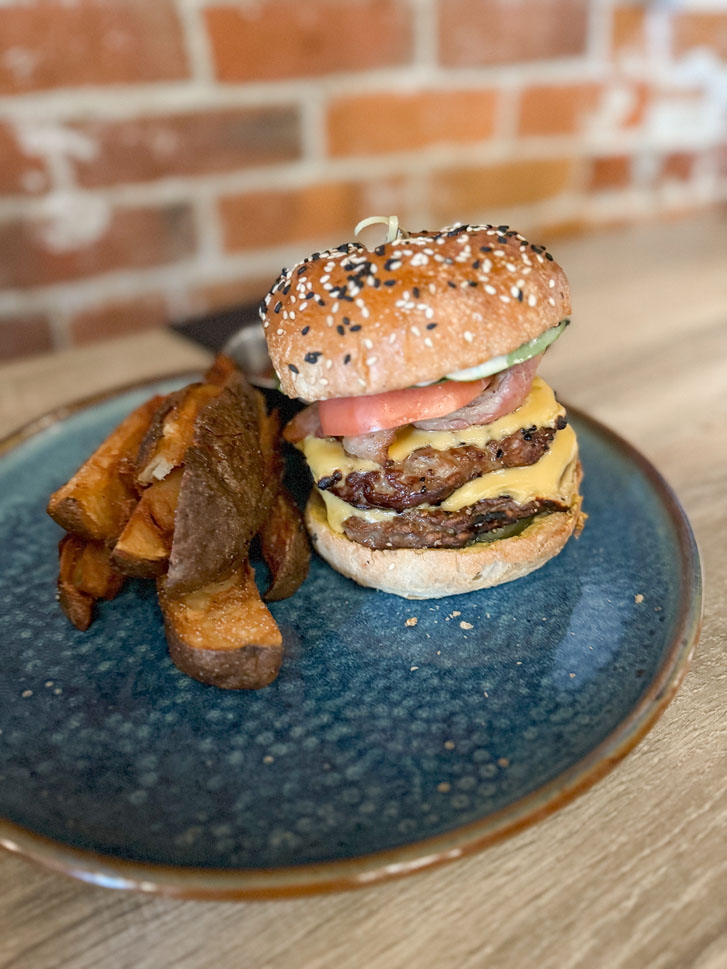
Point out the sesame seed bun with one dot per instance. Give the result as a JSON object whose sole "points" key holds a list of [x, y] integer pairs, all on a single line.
{"points": [[354, 321], [431, 573]]}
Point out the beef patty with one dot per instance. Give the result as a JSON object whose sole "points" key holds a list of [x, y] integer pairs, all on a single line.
{"points": [[428, 476], [435, 528]]}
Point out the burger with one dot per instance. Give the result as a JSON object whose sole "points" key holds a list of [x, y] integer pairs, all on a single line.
{"points": [[441, 462]]}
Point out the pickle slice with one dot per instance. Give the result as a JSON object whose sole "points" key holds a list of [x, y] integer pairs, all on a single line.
{"points": [[524, 352]]}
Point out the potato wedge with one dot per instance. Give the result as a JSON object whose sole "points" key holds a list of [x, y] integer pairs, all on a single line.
{"points": [[144, 546], [225, 493], [222, 369], [223, 634], [85, 575], [97, 501], [172, 431], [285, 548]]}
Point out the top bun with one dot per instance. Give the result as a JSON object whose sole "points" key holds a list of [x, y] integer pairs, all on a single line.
{"points": [[354, 321]]}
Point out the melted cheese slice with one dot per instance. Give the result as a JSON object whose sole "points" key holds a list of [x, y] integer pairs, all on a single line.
{"points": [[547, 478], [539, 409]]}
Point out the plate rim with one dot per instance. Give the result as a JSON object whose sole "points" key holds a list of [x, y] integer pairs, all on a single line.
{"points": [[249, 884]]}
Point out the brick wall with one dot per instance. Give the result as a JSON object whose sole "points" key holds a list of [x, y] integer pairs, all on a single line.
{"points": [[163, 158]]}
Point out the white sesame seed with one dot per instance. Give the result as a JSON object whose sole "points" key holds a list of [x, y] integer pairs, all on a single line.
{"points": [[280, 332], [551, 301], [505, 299], [428, 342], [370, 361], [532, 300], [498, 252], [551, 283], [468, 336], [392, 338], [514, 291], [415, 331], [491, 290], [368, 344], [329, 364], [324, 381], [292, 314], [432, 288], [510, 267]]}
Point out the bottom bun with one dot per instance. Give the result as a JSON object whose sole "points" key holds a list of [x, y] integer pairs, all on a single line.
{"points": [[430, 573]]}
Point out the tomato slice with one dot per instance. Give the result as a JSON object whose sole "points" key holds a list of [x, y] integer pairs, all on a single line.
{"points": [[350, 416]]}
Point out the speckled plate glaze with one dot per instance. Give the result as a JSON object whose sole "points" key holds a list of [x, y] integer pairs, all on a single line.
{"points": [[398, 735]]}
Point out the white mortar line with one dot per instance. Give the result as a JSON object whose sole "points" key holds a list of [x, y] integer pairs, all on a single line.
{"points": [[196, 41]]}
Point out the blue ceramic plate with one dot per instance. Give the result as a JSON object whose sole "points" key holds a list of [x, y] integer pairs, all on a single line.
{"points": [[398, 735]]}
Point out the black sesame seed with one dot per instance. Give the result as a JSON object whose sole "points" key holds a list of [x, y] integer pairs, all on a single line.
{"points": [[305, 330], [485, 248], [286, 290], [415, 291], [380, 250], [377, 282], [312, 357], [347, 358], [519, 296], [476, 264], [343, 247], [278, 307], [471, 282], [502, 239], [561, 422], [499, 453], [355, 328], [548, 257], [262, 307], [503, 228], [341, 330], [451, 284], [389, 282], [346, 321], [301, 270], [430, 326], [321, 302], [310, 294], [292, 366]]}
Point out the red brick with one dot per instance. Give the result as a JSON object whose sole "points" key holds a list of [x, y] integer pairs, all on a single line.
{"points": [[51, 43], [189, 144], [467, 193], [324, 213], [24, 335], [287, 38], [132, 239], [377, 123], [706, 30], [19, 173], [628, 29], [556, 109], [678, 165], [117, 319], [477, 32], [613, 171]]}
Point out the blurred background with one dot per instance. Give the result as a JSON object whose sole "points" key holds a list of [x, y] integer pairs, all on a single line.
{"points": [[162, 159]]}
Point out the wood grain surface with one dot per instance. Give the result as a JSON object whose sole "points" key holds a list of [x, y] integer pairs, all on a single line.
{"points": [[633, 874]]}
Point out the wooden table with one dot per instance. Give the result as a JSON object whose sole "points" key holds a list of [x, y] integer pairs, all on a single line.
{"points": [[633, 873]]}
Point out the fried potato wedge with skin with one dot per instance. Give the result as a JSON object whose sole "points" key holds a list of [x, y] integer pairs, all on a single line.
{"points": [[144, 546], [222, 369], [97, 501], [224, 497], [85, 575], [285, 548], [172, 431], [223, 634]]}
